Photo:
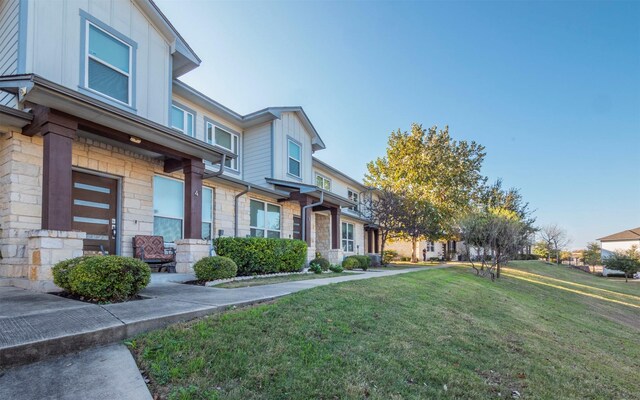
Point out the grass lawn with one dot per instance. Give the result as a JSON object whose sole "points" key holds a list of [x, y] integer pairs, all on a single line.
{"points": [[279, 279], [440, 333]]}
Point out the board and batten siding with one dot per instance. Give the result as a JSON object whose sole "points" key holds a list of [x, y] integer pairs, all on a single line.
{"points": [[9, 22], [54, 48], [290, 126], [257, 153]]}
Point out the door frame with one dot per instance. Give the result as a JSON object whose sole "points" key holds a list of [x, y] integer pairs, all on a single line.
{"points": [[118, 201]]}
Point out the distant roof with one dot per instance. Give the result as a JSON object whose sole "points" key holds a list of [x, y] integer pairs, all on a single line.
{"points": [[630, 234]]}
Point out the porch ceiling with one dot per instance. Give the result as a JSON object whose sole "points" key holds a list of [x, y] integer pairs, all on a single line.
{"points": [[312, 191]]}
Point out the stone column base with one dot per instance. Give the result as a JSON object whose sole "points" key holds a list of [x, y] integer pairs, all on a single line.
{"points": [[188, 252], [45, 248], [335, 256], [311, 254]]}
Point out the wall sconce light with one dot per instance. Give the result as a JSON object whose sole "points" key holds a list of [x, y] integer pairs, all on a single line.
{"points": [[135, 139], [220, 232]]}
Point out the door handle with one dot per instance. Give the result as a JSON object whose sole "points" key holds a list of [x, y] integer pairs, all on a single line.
{"points": [[113, 231]]}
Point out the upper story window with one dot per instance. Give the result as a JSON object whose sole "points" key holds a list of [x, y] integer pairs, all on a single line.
{"points": [[183, 120], [294, 151], [323, 182], [108, 68], [220, 137], [353, 196]]}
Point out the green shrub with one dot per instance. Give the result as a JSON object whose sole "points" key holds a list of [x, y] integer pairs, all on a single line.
{"points": [[434, 258], [388, 256], [315, 268], [216, 267], [337, 268], [363, 261], [323, 262], [350, 263], [102, 278], [263, 255], [405, 258]]}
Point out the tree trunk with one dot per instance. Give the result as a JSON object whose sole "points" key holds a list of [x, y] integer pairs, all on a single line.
{"points": [[498, 264], [414, 246], [383, 241]]}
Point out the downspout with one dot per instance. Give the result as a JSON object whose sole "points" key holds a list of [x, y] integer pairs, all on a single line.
{"points": [[235, 210], [213, 175], [304, 214]]}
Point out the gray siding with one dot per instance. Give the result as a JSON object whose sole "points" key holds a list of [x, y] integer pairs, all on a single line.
{"points": [[8, 44], [257, 154]]}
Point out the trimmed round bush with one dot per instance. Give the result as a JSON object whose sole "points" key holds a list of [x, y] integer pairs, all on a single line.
{"points": [[322, 262], [350, 263], [215, 267], [337, 268], [363, 262], [102, 278]]}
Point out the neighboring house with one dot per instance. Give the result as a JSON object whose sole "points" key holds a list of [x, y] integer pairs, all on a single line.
{"points": [[451, 249], [101, 141], [621, 241]]}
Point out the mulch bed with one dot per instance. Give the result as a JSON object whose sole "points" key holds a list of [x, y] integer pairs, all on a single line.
{"points": [[83, 299]]}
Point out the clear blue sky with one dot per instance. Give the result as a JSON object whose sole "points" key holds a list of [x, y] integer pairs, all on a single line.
{"points": [[551, 89]]}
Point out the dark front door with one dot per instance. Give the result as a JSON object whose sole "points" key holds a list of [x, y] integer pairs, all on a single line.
{"points": [[95, 202], [297, 228]]}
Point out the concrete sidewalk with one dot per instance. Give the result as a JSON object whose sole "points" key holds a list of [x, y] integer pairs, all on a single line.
{"points": [[100, 373], [34, 326]]}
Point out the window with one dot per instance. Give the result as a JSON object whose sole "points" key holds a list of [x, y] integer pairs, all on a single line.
{"points": [[430, 247], [347, 237], [168, 208], [220, 137], [264, 219], [108, 64], [323, 182], [182, 120], [353, 196], [295, 153], [207, 213]]}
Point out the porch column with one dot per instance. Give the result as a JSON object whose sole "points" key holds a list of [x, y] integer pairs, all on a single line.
{"points": [[56, 173], [335, 228], [376, 241], [370, 241], [193, 171]]}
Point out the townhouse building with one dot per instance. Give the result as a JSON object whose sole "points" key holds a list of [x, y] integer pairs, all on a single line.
{"points": [[101, 141]]}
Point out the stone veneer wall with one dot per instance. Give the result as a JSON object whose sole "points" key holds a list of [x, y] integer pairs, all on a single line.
{"points": [[323, 234], [21, 195]]}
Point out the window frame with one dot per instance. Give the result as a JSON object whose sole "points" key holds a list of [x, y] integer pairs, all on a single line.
{"points": [[165, 216], [265, 230], [234, 164], [324, 179], [210, 222], [344, 242], [185, 111], [86, 21], [355, 197], [289, 158]]}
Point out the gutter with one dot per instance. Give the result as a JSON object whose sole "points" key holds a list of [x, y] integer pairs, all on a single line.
{"points": [[304, 214], [235, 211]]}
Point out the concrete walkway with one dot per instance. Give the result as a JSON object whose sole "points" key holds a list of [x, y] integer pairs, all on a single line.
{"points": [[34, 326], [100, 373]]}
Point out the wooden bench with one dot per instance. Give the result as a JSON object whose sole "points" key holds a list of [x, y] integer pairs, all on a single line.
{"points": [[151, 250]]}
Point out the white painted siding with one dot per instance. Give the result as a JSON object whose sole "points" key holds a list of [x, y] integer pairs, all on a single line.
{"points": [[257, 154], [620, 245], [9, 10], [54, 48], [289, 125]]}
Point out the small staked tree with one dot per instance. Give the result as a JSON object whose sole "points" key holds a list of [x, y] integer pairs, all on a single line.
{"points": [[385, 209], [627, 261], [592, 254]]}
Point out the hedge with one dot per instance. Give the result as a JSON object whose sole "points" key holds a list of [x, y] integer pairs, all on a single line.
{"points": [[102, 278], [255, 256], [350, 263], [216, 267]]}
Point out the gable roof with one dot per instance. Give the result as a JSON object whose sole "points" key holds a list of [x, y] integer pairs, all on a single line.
{"points": [[245, 121], [630, 234]]}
